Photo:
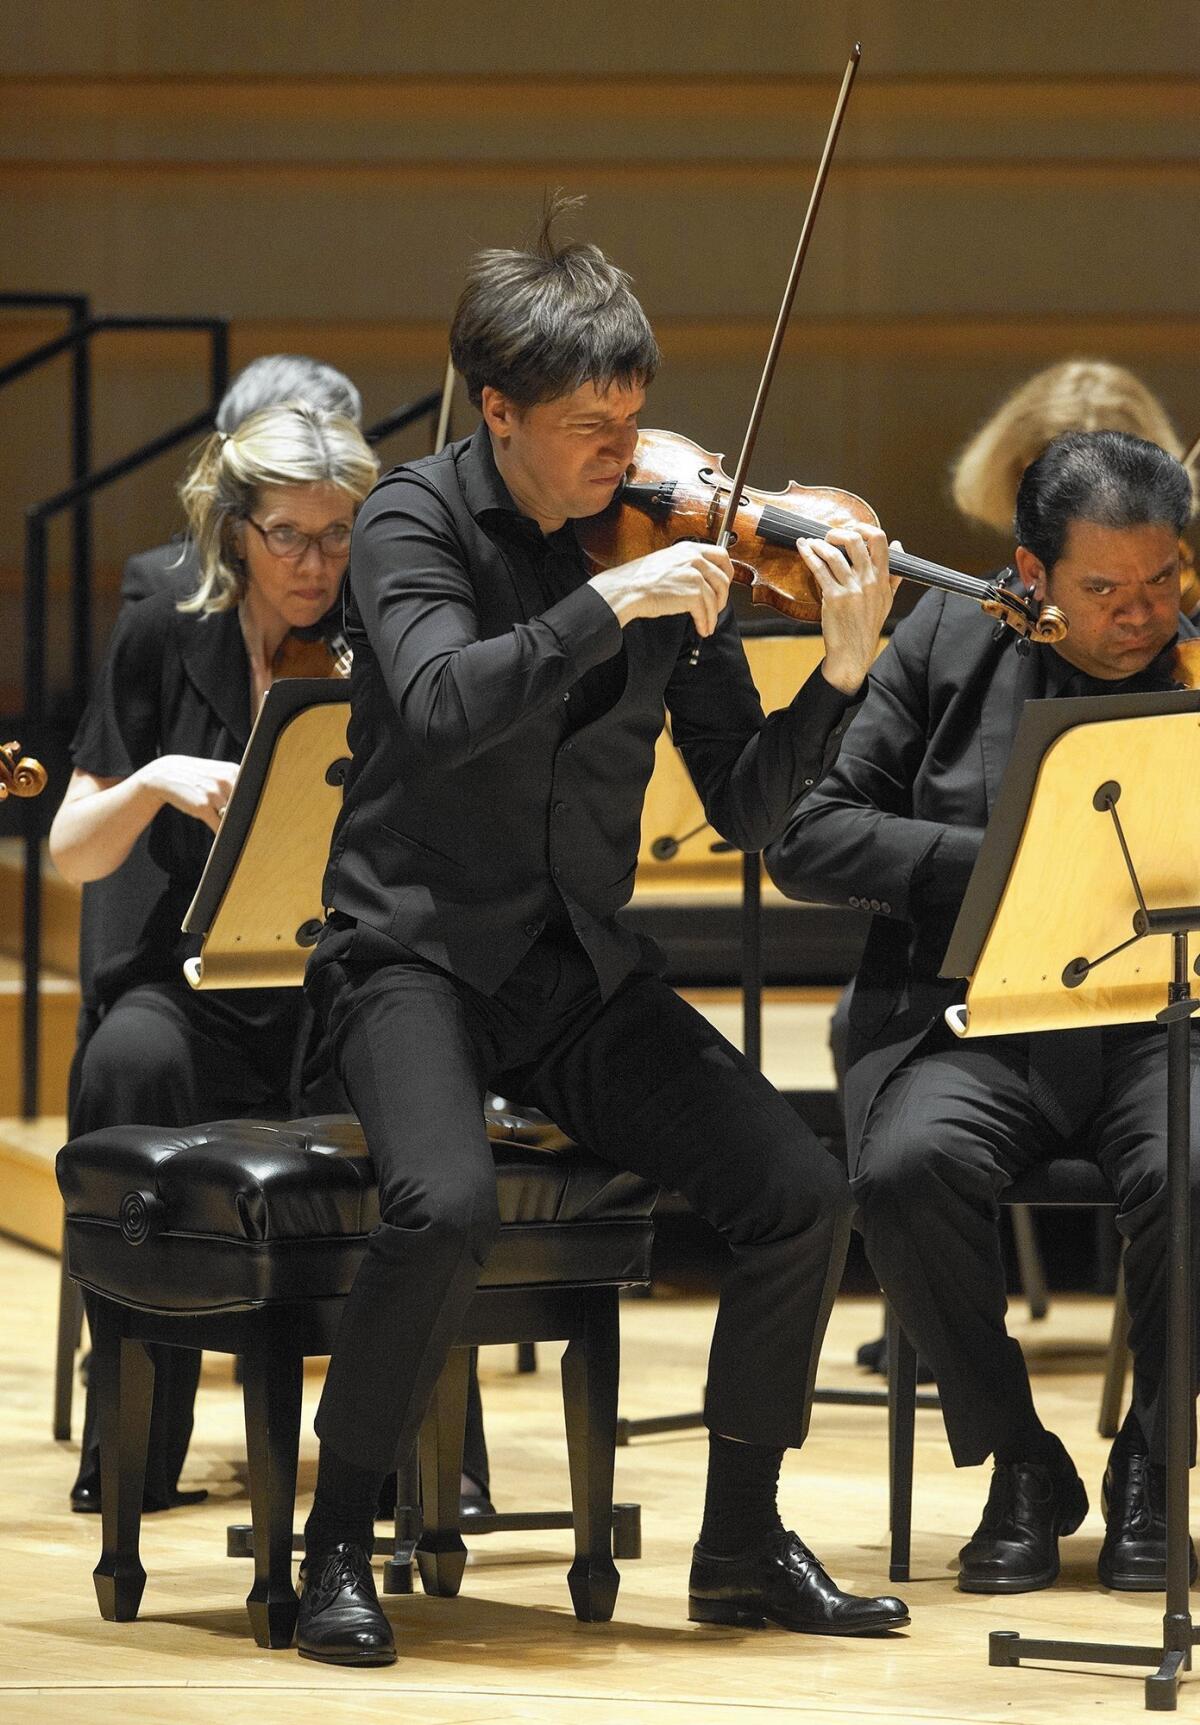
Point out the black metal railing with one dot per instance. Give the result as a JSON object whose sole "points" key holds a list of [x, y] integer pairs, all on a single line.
{"points": [[78, 308], [424, 407], [75, 496]]}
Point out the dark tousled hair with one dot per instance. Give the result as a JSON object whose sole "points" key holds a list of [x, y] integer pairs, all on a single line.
{"points": [[537, 324], [1109, 478]]}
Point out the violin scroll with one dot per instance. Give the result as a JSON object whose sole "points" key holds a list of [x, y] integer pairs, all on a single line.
{"points": [[20, 775], [1048, 626]]}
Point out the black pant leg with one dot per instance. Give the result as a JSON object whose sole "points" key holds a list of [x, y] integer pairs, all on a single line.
{"points": [[413, 1056], [944, 1137], [647, 1083], [1129, 1133]]}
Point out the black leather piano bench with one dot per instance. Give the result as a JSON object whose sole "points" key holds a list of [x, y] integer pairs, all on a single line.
{"points": [[243, 1237]]}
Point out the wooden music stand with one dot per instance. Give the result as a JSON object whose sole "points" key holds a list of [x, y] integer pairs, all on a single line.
{"points": [[258, 906], [1093, 850]]}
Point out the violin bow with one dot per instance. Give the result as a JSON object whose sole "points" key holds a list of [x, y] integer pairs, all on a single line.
{"points": [[785, 309], [1193, 452], [442, 434]]}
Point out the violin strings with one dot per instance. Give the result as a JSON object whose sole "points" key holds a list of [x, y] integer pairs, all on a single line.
{"points": [[789, 525], [920, 569]]}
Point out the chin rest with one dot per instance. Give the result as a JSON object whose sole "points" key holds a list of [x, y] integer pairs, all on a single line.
{"points": [[244, 1236]]}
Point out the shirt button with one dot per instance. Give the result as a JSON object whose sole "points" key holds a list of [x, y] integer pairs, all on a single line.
{"points": [[874, 904], [810, 782], [556, 872], [533, 929], [886, 908], [855, 903], [560, 808]]}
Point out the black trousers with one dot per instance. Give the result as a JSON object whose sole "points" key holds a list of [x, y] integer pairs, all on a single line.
{"points": [[947, 1133], [645, 1083]]}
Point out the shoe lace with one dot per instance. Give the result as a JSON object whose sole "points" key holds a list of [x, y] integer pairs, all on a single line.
{"points": [[1139, 1516], [343, 1567], [1002, 1498]]}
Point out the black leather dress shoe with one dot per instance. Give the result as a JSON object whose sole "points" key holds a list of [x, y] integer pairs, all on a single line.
{"points": [[85, 1498], [475, 1502], [340, 1618], [1133, 1557], [781, 1582], [1015, 1547]]}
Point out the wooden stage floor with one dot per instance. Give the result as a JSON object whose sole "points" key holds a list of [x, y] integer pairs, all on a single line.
{"points": [[508, 1649]]}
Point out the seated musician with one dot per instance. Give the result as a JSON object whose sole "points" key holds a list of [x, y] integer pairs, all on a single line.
{"points": [[271, 507], [936, 1127], [268, 381], [1073, 395], [505, 707]]}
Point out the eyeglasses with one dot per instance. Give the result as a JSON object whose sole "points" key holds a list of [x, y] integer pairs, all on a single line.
{"points": [[291, 544]]}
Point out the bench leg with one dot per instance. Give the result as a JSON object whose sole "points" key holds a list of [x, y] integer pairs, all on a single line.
{"points": [[124, 1377], [441, 1554], [590, 1372], [272, 1383], [70, 1328]]}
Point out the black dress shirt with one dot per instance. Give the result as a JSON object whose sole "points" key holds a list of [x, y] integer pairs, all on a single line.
{"points": [[503, 730]]}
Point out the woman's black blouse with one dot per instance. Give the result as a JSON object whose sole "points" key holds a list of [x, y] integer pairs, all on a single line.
{"points": [[173, 684]]}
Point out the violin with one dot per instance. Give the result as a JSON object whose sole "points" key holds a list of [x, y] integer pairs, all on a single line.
{"points": [[311, 655], [1185, 666], [675, 490]]}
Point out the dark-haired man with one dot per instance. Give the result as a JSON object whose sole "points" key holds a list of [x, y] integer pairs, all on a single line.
{"points": [[938, 1128], [505, 711]]}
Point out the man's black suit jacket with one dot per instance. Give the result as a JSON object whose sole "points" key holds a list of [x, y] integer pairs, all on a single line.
{"points": [[474, 811], [896, 826]]}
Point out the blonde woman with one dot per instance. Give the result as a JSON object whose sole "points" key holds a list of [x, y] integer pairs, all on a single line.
{"points": [[1077, 395], [270, 509]]}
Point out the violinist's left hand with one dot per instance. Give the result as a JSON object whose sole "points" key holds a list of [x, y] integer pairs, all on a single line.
{"points": [[850, 566]]}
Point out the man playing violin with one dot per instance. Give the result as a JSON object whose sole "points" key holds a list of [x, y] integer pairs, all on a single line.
{"points": [[937, 1128], [505, 709]]}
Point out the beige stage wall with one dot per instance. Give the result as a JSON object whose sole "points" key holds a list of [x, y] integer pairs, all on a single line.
{"points": [[1015, 184]]}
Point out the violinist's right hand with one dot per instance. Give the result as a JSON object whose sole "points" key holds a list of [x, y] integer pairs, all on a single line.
{"points": [[191, 784], [101, 820], [686, 578]]}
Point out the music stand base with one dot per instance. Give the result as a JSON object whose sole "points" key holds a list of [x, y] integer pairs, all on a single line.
{"points": [[1007, 1647]]}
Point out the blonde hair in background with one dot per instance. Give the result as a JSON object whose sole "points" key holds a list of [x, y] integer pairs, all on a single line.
{"points": [[1078, 395], [291, 444]]}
